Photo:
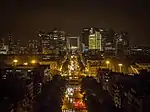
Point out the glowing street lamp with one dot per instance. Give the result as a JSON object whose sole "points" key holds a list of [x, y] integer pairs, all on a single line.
{"points": [[25, 63], [120, 67], [33, 61], [15, 61], [107, 62]]}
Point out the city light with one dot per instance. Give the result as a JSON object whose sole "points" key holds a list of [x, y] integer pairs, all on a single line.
{"points": [[25, 63], [102, 61], [119, 64], [60, 68], [70, 77], [107, 62], [15, 60], [86, 69], [66, 96], [71, 100], [33, 61], [71, 68], [120, 67], [79, 104]]}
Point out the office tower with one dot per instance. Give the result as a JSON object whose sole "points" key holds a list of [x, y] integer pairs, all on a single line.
{"points": [[108, 41], [10, 43], [122, 43], [16, 47], [62, 43], [45, 43], [24, 50], [53, 42], [3, 47], [73, 43], [2, 42], [85, 36], [33, 47], [92, 39], [95, 40]]}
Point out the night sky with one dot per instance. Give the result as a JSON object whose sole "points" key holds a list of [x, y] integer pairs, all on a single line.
{"points": [[25, 17]]}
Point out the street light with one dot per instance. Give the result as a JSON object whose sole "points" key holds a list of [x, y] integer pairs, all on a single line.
{"points": [[107, 62], [25, 63], [120, 67], [15, 61], [33, 61]]}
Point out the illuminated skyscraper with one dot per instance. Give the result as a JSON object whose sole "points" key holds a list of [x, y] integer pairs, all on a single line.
{"points": [[91, 39], [95, 40], [45, 43]]}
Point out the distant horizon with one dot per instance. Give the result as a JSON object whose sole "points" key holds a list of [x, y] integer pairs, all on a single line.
{"points": [[24, 41], [24, 18]]}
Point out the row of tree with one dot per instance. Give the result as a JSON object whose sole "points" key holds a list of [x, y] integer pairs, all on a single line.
{"points": [[52, 94], [97, 100]]}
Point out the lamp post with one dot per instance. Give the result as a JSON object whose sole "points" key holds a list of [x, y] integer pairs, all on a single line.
{"points": [[120, 67], [107, 63], [15, 61], [25, 63], [33, 61]]}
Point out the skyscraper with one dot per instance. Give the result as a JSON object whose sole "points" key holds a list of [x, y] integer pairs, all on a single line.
{"points": [[122, 43], [10, 43], [95, 40], [91, 38], [33, 47], [17, 46], [108, 41], [3, 47], [45, 43], [53, 42], [85, 36]]}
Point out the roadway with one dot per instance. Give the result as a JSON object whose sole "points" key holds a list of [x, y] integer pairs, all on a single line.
{"points": [[73, 99]]}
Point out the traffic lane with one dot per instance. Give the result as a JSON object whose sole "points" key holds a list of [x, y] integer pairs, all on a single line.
{"points": [[74, 101]]}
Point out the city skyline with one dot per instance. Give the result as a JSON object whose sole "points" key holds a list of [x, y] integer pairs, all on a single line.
{"points": [[25, 18], [74, 56]]}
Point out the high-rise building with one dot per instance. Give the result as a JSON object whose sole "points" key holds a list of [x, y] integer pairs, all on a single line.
{"points": [[10, 43], [24, 50], [45, 43], [16, 47], [53, 42], [13, 46], [33, 47], [73, 43], [108, 41], [91, 39], [2, 42], [122, 43], [95, 40], [3, 47], [85, 36]]}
